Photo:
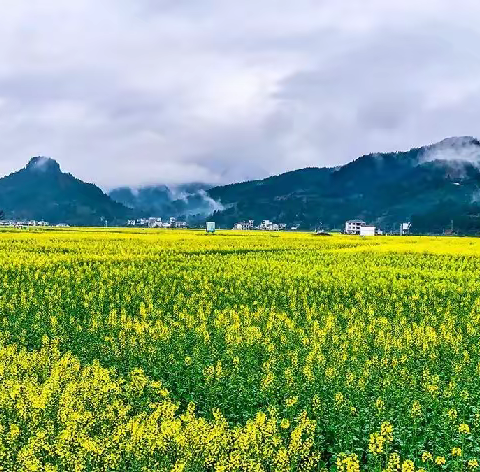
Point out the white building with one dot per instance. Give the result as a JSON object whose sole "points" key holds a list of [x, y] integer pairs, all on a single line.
{"points": [[367, 230], [265, 225], [354, 226], [154, 222], [405, 229], [244, 225]]}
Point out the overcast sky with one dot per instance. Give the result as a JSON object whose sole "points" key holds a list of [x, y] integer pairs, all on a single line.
{"points": [[149, 91]]}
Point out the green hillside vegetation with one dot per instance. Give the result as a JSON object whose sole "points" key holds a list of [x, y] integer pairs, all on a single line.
{"points": [[41, 191], [385, 189]]}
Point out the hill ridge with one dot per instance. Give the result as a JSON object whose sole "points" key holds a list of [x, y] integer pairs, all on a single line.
{"points": [[41, 191]]}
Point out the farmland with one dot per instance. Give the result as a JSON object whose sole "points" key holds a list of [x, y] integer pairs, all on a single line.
{"points": [[178, 351]]}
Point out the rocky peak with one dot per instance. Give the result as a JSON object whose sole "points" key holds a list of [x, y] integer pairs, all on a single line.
{"points": [[43, 164]]}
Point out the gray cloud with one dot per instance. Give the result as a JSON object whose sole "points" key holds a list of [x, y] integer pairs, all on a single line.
{"points": [[140, 92]]}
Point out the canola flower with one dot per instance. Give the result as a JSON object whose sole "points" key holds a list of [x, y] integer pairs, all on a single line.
{"points": [[174, 351], [376, 443], [452, 414], [408, 466], [473, 464], [427, 456], [386, 431], [416, 409], [347, 463], [285, 423], [463, 428], [289, 402]]}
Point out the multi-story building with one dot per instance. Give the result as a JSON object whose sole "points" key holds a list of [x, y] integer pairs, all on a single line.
{"points": [[154, 222], [353, 226], [405, 229], [244, 225]]}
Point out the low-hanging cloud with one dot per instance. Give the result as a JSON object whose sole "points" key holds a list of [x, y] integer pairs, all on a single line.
{"points": [[457, 155], [458, 150], [125, 92]]}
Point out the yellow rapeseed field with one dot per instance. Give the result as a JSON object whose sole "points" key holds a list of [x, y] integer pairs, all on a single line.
{"points": [[242, 351]]}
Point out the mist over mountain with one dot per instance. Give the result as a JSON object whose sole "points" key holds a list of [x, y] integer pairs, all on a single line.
{"points": [[41, 191], [190, 201], [430, 186]]}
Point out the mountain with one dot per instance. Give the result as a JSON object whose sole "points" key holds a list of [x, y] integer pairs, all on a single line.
{"points": [[189, 201], [430, 186], [41, 191]]}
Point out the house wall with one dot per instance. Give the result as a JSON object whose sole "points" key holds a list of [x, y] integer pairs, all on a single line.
{"points": [[367, 231]]}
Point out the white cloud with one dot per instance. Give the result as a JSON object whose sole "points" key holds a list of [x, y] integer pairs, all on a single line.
{"points": [[144, 91]]}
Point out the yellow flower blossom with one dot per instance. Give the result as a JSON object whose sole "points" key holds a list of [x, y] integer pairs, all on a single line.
{"points": [[376, 443], [387, 431], [379, 404], [408, 466], [472, 463], [463, 428], [456, 452], [347, 463], [289, 402], [426, 456], [416, 409], [452, 414], [285, 424]]}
